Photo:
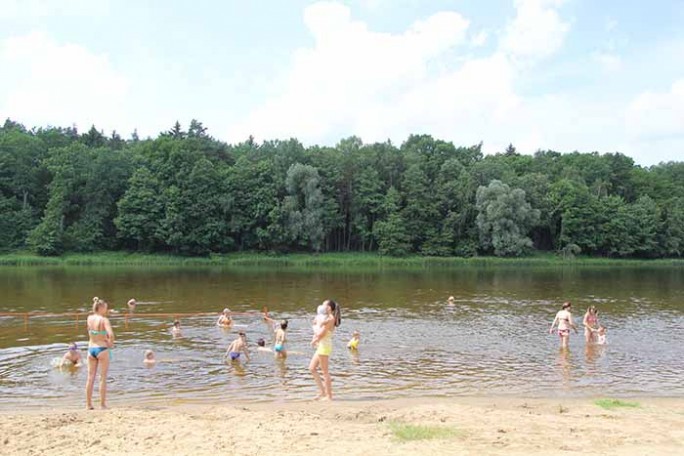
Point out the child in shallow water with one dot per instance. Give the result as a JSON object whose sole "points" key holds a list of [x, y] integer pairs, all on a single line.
{"points": [[318, 322], [72, 357], [149, 357], [176, 329], [353, 343], [237, 347], [601, 335]]}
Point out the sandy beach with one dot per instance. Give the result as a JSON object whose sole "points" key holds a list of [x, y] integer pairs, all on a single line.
{"points": [[479, 426]]}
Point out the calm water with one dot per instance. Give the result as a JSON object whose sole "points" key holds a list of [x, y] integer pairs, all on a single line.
{"points": [[495, 340]]}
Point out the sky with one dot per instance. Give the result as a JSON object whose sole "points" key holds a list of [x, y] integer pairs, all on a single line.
{"points": [[565, 75]]}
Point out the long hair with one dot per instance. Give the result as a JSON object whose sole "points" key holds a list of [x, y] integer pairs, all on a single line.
{"points": [[336, 310]]}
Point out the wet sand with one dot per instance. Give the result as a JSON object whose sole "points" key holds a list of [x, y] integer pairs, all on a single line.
{"points": [[482, 426]]}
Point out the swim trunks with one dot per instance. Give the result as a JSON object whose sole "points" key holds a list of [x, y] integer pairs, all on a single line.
{"points": [[234, 356]]}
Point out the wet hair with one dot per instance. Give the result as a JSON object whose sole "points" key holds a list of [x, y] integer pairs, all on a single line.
{"points": [[336, 310], [283, 324], [98, 304], [566, 305], [261, 342]]}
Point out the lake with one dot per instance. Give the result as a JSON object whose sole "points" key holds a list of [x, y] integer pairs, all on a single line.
{"points": [[493, 341]]}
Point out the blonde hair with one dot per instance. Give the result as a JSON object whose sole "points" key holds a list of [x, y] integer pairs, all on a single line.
{"points": [[98, 304]]}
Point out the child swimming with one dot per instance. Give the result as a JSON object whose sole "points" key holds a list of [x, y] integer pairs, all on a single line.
{"points": [[72, 358], [353, 343], [149, 357], [237, 347], [176, 330]]}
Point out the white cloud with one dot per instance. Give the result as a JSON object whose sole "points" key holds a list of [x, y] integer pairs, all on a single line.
{"points": [[656, 116], [479, 39], [44, 82], [379, 85], [608, 61], [349, 71], [537, 30], [17, 9]]}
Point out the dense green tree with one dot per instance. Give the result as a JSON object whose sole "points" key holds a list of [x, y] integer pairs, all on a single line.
{"points": [[391, 233], [504, 219]]}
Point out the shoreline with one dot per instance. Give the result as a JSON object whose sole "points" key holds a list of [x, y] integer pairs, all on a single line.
{"points": [[475, 425], [325, 260]]}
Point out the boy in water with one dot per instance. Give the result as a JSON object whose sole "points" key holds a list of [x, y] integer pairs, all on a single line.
{"points": [[237, 347], [72, 357], [353, 343], [176, 330], [149, 358]]}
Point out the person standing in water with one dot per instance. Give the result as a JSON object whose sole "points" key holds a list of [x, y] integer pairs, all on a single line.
{"points": [[564, 320], [323, 343], [224, 319], [101, 340], [590, 323]]}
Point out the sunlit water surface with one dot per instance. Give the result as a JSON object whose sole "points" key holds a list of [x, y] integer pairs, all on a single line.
{"points": [[493, 341]]}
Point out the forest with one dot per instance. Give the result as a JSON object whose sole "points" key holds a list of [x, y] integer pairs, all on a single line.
{"points": [[186, 193]]}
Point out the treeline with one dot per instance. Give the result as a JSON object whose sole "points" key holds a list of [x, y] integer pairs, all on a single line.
{"points": [[187, 193]]}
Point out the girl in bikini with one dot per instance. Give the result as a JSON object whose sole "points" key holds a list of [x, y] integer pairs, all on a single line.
{"points": [[323, 343], [590, 323], [564, 320], [101, 340]]}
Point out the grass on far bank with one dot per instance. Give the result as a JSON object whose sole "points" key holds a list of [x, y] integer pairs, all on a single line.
{"points": [[611, 404], [407, 432], [325, 260]]}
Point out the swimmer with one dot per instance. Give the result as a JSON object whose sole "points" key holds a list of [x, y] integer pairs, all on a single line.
{"points": [[601, 335], [451, 301], [176, 329], [100, 343], [72, 357], [149, 357], [224, 319], [237, 347], [564, 320], [131, 304], [261, 346], [590, 323], [353, 343], [280, 338]]}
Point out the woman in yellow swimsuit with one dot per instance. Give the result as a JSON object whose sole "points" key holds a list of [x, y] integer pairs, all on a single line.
{"points": [[101, 341], [323, 343]]}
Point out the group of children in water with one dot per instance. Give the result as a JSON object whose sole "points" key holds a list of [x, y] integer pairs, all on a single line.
{"points": [[594, 332]]}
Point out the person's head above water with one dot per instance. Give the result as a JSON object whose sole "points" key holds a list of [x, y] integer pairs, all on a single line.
{"points": [[149, 355], [567, 305], [132, 302], [451, 299], [226, 311], [73, 346], [283, 324], [261, 342], [176, 324]]}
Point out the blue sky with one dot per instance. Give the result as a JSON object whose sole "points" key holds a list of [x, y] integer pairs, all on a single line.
{"points": [[543, 74]]}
